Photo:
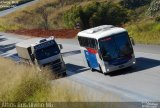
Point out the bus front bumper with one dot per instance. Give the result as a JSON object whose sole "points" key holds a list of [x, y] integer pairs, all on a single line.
{"points": [[112, 68]]}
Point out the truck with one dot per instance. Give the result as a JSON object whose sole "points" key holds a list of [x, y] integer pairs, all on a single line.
{"points": [[42, 52]]}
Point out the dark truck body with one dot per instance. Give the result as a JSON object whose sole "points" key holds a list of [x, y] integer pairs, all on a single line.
{"points": [[27, 52]]}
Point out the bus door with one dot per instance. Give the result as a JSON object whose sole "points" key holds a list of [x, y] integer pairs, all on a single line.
{"points": [[91, 58]]}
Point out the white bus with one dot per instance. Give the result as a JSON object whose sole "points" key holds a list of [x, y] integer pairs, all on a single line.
{"points": [[107, 48]]}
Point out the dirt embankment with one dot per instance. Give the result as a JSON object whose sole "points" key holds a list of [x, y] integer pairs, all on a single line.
{"points": [[60, 33]]}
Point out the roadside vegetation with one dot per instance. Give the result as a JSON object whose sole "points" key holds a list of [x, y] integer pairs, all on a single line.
{"points": [[145, 32], [96, 14], [144, 25], [140, 17], [22, 83]]}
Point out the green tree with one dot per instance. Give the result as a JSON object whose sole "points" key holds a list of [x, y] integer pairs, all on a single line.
{"points": [[44, 14], [72, 17], [154, 9], [96, 14]]}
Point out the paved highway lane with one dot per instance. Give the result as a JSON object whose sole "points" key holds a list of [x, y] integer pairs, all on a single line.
{"points": [[8, 11], [140, 83]]}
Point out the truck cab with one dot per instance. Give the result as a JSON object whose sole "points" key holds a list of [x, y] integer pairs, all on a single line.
{"points": [[43, 52]]}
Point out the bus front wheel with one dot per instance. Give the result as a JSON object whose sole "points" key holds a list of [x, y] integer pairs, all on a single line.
{"points": [[100, 69]]}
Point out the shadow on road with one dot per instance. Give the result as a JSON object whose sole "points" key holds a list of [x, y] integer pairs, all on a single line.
{"points": [[75, 69], [142, 64], [71, 53], [2, 39], [5, 48]]}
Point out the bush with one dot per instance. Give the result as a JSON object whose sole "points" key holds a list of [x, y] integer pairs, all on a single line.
{"points": [[154, 9], [72, 17], [157, 19], [96, 14], [145, 32]]}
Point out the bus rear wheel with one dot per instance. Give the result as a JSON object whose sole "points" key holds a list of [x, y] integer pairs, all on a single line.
{"points": [[92, 69]]}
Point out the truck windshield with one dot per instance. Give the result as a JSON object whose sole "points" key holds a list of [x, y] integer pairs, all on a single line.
{"points": [[47, 52], [115, 46]]}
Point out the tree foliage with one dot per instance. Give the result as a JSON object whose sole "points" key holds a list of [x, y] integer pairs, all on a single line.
{"points": [[154, 9], [96, 14], [44, 13]]}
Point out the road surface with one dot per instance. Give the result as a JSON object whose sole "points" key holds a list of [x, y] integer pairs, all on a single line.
{"points": [[140, 83], [8, 11]]}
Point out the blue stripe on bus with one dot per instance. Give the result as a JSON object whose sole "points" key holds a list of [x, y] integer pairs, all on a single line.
{"points": [[91, 59]]}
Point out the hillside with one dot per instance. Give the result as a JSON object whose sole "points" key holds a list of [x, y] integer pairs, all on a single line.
{"points": [[56, 14]]}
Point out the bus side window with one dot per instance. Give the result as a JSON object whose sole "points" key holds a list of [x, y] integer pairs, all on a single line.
{"points": [[87, 42]]}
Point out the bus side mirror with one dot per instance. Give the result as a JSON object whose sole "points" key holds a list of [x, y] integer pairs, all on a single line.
{"points": [[60, 46], [132, 41]]}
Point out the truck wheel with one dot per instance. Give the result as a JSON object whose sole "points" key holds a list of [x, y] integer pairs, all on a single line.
{"points": [[64, 74]]}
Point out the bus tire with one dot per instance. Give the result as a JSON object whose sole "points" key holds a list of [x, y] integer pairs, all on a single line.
{"points": [[105, 73], [92, 69]]}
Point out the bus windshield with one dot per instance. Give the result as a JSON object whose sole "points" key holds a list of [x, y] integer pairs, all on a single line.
{"points": [[115, 46], [47, 52]]}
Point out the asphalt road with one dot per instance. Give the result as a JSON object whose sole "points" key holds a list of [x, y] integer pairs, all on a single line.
{"points": [[8, 11], [140, 83]]}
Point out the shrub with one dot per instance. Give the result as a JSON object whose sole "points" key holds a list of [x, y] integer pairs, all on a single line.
{"points": [[145, 32], [157, 19], [96, 14], [154, 9]]}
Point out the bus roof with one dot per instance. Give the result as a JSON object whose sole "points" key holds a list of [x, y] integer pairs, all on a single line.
{"points": [[101, 31]]}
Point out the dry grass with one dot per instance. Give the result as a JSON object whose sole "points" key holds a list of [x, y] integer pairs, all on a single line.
{"points": [[145, 32], [20, 83]]}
